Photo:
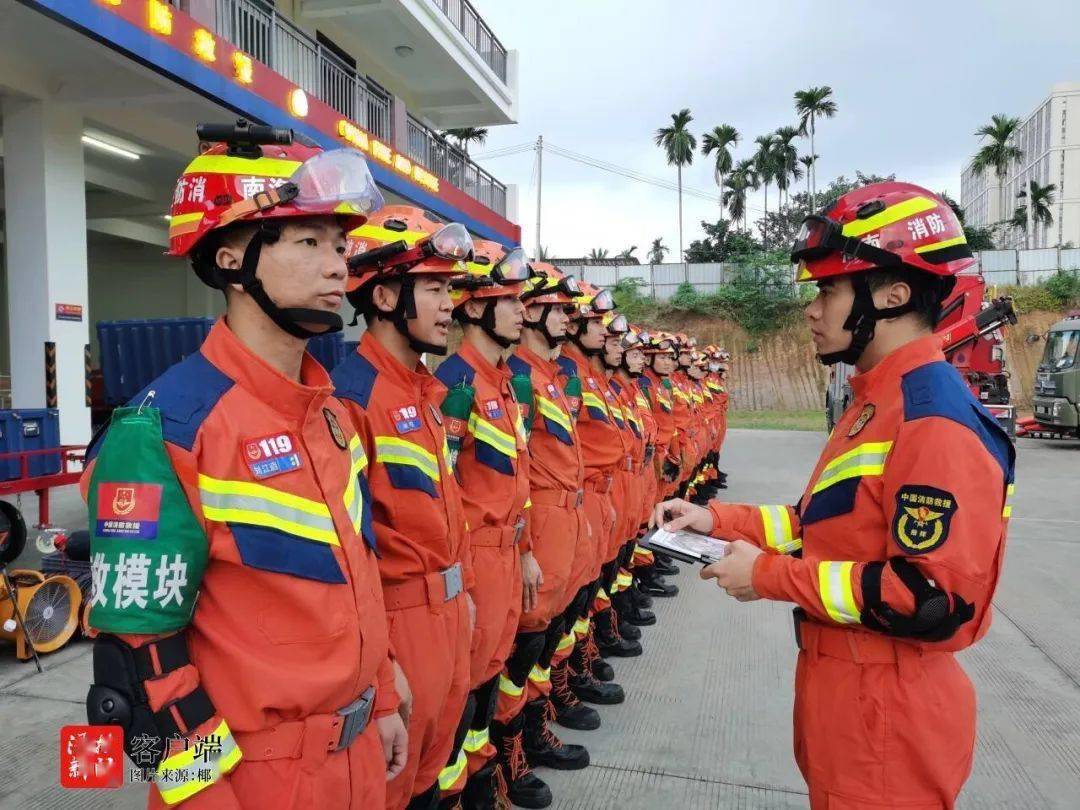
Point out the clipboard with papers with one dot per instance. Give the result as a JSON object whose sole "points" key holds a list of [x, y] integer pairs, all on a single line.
{"points": [[687, 546]]}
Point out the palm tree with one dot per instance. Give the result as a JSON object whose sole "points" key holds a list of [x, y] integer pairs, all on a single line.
{"points": [[628, 253], [811, 104], [808, 161], [718, 141], [742, 180], [999, 152], [657, 251], [679, 145], [787, 157], [765, 167], [598, 253], [466, 135], [1040, 198]]}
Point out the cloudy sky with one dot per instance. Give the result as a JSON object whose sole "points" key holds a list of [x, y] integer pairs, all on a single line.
{"points": [[912, 81]]}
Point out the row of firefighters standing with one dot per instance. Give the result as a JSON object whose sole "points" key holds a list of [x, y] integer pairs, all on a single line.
{"points": [[302, 569]]}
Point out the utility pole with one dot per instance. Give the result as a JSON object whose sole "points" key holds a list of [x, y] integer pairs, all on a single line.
{"points": [[539, 188]]}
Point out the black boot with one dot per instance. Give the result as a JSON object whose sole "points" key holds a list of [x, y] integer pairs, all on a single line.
{"points": [[600, 669], [653, 585], [630, 613], [641, 601], [608, 639], [486, 789], [665, 569], [542, 747], [523, 787], [629, 631], [569, 711], [586, 686]]}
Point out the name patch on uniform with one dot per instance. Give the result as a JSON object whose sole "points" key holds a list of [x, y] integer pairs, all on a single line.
{"points": [[922, 518], [406, 419], [128, 510], [271, 455], [592, 383], [493, 409], [553, 392]]}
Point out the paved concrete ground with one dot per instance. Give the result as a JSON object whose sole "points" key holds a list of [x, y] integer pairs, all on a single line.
{"points": [[707, 723]]}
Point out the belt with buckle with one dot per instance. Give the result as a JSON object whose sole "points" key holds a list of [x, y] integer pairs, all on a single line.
{"points": [[498, 536], [313, 738], [431, 589], [858, 646], [571, 498]]}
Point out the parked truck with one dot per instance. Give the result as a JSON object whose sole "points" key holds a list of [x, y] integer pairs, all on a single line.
{"points": [[1057, 379], [970, 328]]}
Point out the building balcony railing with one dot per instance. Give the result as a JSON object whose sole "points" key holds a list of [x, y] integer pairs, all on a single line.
{"points": [[453, 165], [472, 26], [256, 28]]}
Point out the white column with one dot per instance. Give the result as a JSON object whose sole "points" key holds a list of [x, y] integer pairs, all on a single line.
{"points": [[45, 207]]}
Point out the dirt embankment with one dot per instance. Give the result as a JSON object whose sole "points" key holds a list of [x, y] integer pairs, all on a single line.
{"points": [[780, 371]]}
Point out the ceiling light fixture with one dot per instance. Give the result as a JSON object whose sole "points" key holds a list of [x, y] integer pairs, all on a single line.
{"points": [[110, 148], [404, 51]]}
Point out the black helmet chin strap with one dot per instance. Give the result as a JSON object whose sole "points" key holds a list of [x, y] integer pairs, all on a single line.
{"points": [[861, 322], [290, 319], [486, 321], [542, 327]]}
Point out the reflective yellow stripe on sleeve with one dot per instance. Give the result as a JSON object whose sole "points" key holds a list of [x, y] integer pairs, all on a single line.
{"points": [[203, 763], [834, 585], [778, 532], [1006, 512]]}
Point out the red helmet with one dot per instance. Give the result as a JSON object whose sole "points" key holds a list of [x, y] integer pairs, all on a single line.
{"points": [[233, 182], [882, 225]]}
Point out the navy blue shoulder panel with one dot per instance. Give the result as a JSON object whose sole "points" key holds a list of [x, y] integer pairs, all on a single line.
{"points": [[567, 367], [185, 394], [937, 389], [455, 370], [354, 379], [644, 383], [518, 366]]}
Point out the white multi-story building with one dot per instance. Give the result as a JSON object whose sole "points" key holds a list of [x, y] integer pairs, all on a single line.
{"points": [[1050, 141], [98, 105]]}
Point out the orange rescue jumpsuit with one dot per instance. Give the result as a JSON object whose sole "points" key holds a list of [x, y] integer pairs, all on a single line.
{"points": [[289, 624], [425, 561], [916, 471]]}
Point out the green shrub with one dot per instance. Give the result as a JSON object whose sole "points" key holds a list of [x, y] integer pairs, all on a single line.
{"points": [[1064, 286]]}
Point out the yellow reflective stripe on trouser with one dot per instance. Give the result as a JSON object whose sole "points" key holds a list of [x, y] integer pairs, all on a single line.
{"points": [[866, 459], [508, 687], [566, 642], [449, 776], [834, 584], [537, 675], [247, 502], [602, 596], [778, 533], [591, 400], [354, 503], [259, 167], [581, 628], [486, 432], [185, 773], [553, 412], [1007, 511], [475, 740], [392, 450], [894, 213]]}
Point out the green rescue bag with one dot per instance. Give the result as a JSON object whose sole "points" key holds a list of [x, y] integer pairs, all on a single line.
{"points": [[147, 549], [456, 409], [523, 392]]}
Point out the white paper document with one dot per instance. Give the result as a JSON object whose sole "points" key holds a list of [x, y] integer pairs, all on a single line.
{"points": [[697, 547]]}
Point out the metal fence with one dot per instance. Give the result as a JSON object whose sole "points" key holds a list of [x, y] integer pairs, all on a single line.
{"points": [[453, 165], [660, 281], [257, 29], [472, 26], [1026, 267]]}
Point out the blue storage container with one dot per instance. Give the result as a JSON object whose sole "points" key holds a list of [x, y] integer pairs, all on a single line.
{"points": [[29, 429], [135, 353], [329, 350]]}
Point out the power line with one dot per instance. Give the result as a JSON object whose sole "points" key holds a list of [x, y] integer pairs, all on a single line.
{"points": [[504, 151]]}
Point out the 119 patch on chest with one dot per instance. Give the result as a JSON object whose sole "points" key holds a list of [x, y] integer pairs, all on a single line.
{"points": [[272, 455], [406, 419], [922, 519], [493, 409]]}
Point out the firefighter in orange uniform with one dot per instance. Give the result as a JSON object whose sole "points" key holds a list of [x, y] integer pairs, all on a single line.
{"points": [[399, 282], [235, 587], [488, 443], [894, 551]]}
